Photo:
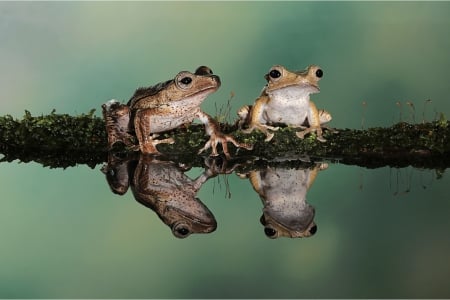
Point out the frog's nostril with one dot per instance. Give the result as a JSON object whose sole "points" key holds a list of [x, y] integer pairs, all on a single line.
{"points": [[319, 73]]}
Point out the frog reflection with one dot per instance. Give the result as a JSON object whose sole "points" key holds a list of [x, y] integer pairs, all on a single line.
{"points": [[283, 193], [163, 187]]}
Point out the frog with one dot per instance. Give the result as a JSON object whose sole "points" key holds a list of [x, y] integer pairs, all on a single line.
{"points": [[285, 99], [166, 106], [163, 187], [286, 212]]}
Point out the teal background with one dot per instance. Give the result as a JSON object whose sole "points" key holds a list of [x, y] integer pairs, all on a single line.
{"points": [[382, 233]]}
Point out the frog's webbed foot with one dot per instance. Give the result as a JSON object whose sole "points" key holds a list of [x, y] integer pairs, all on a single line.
{"points": [[318, 130], [264, 129], [218, 137]]}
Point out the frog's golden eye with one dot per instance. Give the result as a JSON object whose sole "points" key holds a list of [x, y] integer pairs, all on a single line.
{"points": [[319, 73]]}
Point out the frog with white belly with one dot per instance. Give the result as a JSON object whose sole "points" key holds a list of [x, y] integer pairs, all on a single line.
{"points": [[286, 212], [285, 100]]}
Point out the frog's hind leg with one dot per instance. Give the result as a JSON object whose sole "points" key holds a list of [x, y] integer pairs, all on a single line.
{"points": [[147, 141], [117, 121]]}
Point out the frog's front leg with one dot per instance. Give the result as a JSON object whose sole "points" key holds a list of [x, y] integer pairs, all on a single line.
{"points": [[216, 136], [256, 119], [314, 123], [142, 126]]}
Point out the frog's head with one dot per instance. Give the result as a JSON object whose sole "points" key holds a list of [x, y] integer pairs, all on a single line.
{"points": [[279, 78], [279, 224], [185, 220], [185, 85]]}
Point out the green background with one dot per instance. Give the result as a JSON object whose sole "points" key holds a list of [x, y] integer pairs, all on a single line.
{"points": [[382, 233]]}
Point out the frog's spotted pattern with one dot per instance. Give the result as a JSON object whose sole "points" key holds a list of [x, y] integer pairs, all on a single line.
{"points": [[166, 106]]}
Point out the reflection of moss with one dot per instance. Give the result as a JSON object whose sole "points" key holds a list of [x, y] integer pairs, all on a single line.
{"points": [[61, 140], [58, 140]]}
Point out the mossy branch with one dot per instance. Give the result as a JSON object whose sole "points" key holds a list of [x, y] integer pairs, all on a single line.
{"points": [[61, 140]]}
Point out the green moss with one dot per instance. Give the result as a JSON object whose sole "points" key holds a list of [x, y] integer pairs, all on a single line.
{"points": [[61, 140]]}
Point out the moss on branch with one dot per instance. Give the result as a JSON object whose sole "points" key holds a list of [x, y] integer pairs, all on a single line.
{"points": [[61, 140]]}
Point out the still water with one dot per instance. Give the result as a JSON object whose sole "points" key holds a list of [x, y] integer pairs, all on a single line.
{"points": [[378, 233], [372, 233]]}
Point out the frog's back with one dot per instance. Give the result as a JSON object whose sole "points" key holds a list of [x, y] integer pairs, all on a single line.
{"points": [[144, 92]]}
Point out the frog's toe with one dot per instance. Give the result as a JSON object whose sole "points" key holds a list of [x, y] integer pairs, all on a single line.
{"points": [[149, 148], [206, 147], [300, 134], [228, 138], [248, 130], [321, 139], [269, 136], [164, 141], [223, 140]]}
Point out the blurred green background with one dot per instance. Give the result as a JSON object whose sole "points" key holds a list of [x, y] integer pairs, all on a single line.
{"points": [[382, 233]]}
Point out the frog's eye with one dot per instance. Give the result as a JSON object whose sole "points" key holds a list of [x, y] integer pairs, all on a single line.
{"points": [[274, 74], [270, 232], [319, 73], [313, 230], [186, 80], [203, 70], [180, 231]]}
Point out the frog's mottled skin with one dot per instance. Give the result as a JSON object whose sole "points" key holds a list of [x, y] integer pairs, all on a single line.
{"points": [[286, 212], [163, 107], [163, 187], [285, 99]]}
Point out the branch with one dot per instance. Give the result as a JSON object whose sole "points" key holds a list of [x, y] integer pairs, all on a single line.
{"points": [[61, 140]]}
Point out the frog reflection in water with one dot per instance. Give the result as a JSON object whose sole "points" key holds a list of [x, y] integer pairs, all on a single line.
{"points": [[163, 107], [285, 100], [283, 193], [163, 187]]}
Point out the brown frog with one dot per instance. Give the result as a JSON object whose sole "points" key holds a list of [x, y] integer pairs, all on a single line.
{"points": [[285, 99], [163, 187], [163, 107], [286, 212]]}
